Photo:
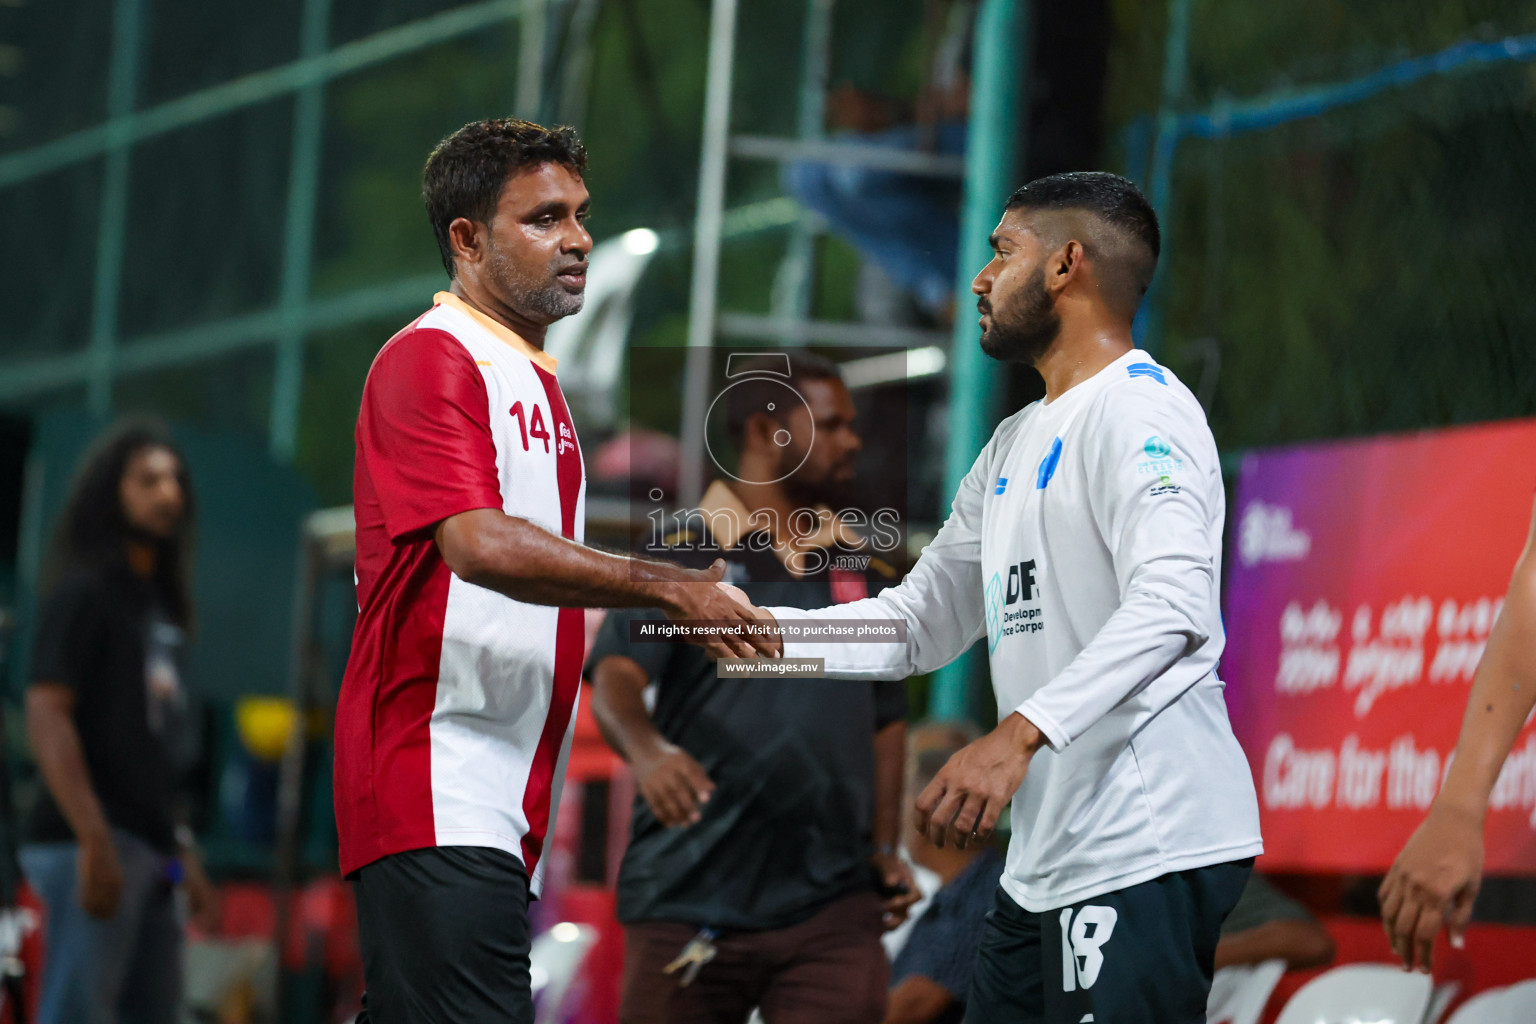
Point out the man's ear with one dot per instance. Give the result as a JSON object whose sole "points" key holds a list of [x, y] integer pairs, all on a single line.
{"points": [[758, 431], [1064, 266], [466, 239]]}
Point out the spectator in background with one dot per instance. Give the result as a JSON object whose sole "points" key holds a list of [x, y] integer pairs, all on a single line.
{"points": [[907, 226], [768, 809], [105, 849], [1266, 924], [932, 971]]}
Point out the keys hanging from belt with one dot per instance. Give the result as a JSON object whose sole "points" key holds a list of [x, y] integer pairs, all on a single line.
{"points": [[699, 951]]}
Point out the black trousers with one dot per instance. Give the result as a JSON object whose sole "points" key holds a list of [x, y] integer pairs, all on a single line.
{"points": [[444, 935], [1140, 955]]}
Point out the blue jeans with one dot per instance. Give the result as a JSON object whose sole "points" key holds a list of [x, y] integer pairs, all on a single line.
{"points": [[907, 225], [126, 970]]}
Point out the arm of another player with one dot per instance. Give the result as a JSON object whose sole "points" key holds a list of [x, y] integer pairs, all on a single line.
{"points": [[674, 785], [940, 600], [524, 561], [1436, 877], [424, 441]]}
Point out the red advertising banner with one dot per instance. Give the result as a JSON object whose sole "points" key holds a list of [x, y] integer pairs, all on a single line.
{"points": [[1363, 579]]}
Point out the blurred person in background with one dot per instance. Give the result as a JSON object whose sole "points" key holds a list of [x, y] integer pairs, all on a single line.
{"points": [[931, 973], [1267, 924], [768, 809], [906, 225], [1435, 880], [106, 844], [458, 704]]}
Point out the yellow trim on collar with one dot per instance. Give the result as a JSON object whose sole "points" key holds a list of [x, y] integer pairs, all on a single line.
{"points": [[499, 330]]}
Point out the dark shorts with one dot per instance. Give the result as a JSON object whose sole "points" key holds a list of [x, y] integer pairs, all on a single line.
{"points": [[1142, 955], [830, 969], [444, 934]]}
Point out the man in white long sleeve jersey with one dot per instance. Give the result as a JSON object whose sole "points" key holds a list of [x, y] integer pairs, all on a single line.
{"points": [[1085, 546]]}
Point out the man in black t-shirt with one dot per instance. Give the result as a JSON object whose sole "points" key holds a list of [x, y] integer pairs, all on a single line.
{"points": [[768, 808], [103, 848]]}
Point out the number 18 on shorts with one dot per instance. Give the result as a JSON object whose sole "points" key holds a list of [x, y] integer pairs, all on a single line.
{"points": [[1139, 955]]}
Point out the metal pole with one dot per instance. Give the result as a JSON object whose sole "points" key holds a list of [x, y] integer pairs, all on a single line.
{"points": [[299, 240], [111, 233], [792, 287], [530, 60], [1004, 38], [706, 246], [1149, 325]]}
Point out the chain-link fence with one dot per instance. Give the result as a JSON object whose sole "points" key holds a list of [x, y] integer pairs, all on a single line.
{"points": [[1345, 190]]}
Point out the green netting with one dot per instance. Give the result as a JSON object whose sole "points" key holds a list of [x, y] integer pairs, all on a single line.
{"points": [[1364, 268]]}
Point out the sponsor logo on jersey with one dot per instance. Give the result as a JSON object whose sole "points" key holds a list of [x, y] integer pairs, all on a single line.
{"points": [[1147, 370], [1011, 603], [1160, 460], [1002, 485], [1048, 466]]}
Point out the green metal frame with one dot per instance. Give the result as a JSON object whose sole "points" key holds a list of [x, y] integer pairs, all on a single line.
{"points": [[288, 325], [295, 316], [991, 162]]}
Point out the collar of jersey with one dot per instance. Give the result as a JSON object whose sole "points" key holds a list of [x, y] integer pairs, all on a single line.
{"points": [[730, 520], [499, 330], [1083, 388]]}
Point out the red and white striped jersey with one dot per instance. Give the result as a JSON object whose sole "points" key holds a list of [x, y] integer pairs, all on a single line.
{"points": [[456, 713]]}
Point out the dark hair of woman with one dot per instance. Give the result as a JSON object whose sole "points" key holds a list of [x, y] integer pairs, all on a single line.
{"points": [[93, 531]]}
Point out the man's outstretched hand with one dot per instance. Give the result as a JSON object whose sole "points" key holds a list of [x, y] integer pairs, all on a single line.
{"points": [[963, 802], [707, 599]]}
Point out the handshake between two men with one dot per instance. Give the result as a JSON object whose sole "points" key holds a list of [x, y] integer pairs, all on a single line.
{"points": [[960, 806], [732, 627]]}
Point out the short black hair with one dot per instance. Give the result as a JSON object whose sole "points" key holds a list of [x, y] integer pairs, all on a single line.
{"points": [[465, 174], [1118, 203], [750, 396]]}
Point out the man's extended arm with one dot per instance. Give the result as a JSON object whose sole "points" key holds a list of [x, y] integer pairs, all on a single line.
{"points": [[940, 600], [1436, 877], [673, 784], [526, 562]]}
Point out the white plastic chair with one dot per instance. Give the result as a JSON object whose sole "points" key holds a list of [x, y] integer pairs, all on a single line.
{"points": [[1360, 994], [1439, 999], [1515, 1004], [553, 963], [1240, 993]]}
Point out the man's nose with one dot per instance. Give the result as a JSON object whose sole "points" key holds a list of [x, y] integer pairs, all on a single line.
{"points": [[981, 284]]}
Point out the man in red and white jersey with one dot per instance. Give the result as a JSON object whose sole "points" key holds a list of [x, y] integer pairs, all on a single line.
{"points": [[455, 716]]}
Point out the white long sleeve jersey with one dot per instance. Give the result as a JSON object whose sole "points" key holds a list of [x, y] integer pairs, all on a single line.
{"points": [[1085, 545]]}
